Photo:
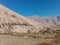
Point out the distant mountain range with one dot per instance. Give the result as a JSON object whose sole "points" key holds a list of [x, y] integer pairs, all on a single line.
{"points": [[55, 20]]}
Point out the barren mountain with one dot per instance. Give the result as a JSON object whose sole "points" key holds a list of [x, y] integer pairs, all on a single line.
{"points": [[55, 20], [10, 21]]}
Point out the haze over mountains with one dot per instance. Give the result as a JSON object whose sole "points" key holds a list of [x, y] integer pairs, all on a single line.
{"points": [[10, 21], [54, 20]]}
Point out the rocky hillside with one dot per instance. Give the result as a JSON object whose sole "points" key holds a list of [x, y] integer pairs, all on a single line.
{"points": [[10, 21]]}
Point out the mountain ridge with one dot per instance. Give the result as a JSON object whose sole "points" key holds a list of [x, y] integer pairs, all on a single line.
{"points": [[11, 21], [54, 20]]}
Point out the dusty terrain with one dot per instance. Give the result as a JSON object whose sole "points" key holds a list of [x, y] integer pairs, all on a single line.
{"points": [[18, 40], [28, 39]]}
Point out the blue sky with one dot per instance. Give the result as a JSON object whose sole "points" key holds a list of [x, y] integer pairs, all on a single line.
{"points": [[34, 7]]}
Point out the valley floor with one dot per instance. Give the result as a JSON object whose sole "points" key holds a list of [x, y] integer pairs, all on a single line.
{"points": [[17, 40], [24, 40]]}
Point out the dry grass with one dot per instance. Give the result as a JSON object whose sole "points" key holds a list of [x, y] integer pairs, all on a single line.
{"points": [[46, 43], [57, 38], [29, 39]]}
